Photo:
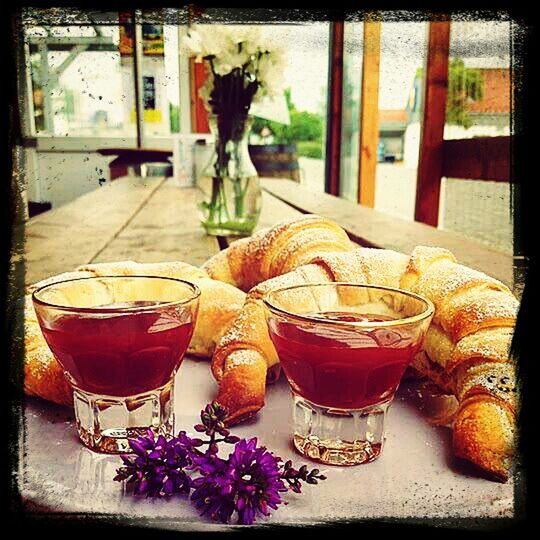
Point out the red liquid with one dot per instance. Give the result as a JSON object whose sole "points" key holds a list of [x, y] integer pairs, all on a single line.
{"points": [[340, 367], [121, 355]]}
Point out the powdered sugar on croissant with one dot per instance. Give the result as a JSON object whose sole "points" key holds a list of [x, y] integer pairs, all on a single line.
{"points": [[466, 344]]}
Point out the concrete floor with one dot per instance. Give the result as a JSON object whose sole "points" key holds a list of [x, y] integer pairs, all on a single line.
{"points": [[476, 209]]}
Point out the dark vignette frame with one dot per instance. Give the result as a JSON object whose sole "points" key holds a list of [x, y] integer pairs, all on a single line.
{"points": [[524, 118]]}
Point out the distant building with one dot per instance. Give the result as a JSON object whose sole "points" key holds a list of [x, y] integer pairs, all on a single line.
{"points": [[495, 106], [392, 126], [490, 115]]}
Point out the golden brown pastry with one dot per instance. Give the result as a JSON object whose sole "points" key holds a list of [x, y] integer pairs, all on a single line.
{"points": [[466, 350], [277, 250], [43, 376], [218, 305]]}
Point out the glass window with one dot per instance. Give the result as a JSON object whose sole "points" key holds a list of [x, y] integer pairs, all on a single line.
{"points": [[80, 81], [306, 82], [83, 82], [350, 124], [402, 53], [403, 49], [478, 105]]}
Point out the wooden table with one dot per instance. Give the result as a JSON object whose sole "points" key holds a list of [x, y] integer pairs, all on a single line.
{"points": [[142, 219], [152, 219]]}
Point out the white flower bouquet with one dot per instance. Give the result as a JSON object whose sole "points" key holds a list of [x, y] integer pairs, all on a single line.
{"points": [[241, 60], [244, 66]]}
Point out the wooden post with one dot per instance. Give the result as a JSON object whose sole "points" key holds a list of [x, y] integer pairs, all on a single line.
{"points": [[369, 113], [334, 108], [430, 166]]}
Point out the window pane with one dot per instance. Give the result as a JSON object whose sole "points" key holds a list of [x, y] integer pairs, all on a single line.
{"points": [[306, 81], [350, 126], [159, 70], [81, 85], [479, 105], [403, 48], [478, 80]]}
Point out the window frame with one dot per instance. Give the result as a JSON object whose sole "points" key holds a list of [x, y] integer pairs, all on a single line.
{"points": [[48, 142]]}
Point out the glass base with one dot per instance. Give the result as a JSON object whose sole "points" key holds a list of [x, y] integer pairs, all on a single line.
{"points": [[230, 228], [105, 423], [338, 436]]}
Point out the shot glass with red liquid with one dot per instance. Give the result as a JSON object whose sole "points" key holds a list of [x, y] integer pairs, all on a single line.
{"points": [[120, 341], [344, 348]]}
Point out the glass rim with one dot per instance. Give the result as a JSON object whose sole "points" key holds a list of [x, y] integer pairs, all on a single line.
{"points": [[195, 293], [426, 313]]}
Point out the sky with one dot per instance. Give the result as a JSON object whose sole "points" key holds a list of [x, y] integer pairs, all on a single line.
{"points": [[403, 45]]}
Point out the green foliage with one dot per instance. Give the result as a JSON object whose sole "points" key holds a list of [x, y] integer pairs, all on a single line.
{"points": [[464, 84], [174, 118], [310, 149], [304, 126]]}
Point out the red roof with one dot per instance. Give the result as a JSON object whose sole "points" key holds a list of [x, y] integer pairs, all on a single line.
{"points": [[496, 97], [392, 115]]}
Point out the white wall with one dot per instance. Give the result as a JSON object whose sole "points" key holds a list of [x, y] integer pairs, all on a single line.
{"points": [[411, 143], [64, 176]]}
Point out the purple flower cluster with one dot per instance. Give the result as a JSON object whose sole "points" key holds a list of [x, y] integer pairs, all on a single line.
{"points": [[249, 482], [157, 468]]}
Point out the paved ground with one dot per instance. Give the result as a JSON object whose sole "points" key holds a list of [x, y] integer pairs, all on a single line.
{"points": [[476, 209]]}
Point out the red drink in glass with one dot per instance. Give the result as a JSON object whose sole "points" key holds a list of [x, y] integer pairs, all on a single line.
{"points": [[344, 348], [340, 367], [120, 340], [121, 354]]}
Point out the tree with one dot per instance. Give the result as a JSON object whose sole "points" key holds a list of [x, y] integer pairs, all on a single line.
{"points": [[304, 126], [464, 84]]}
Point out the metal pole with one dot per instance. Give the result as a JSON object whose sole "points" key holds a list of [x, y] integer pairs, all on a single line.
{"points": [[137, 75]]}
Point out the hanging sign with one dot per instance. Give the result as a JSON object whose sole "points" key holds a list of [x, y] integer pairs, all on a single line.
{"points": [[152, 34]]}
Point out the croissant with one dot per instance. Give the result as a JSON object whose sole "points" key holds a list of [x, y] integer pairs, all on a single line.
{"points": [[466, 350], [277, 250], [219, 303]]}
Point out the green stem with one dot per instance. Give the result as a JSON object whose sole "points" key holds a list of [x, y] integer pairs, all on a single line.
{"points": [[239, 195], [223, 196], [213, 205]]}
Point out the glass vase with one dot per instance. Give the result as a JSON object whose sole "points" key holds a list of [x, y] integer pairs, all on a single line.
{"points": [[229, 188]]}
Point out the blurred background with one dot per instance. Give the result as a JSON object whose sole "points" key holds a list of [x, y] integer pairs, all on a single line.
{"points": [[80, 83]]}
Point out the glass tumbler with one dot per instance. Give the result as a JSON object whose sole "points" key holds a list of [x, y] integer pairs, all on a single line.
{"points": [[344, 348], [120, 341]]}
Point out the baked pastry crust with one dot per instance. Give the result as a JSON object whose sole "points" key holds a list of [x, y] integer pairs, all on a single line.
{"points": [[466, 346], [219, 303]]}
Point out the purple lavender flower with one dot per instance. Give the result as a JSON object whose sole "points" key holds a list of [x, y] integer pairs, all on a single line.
{"points": [[248, 482], [157, 468]]}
